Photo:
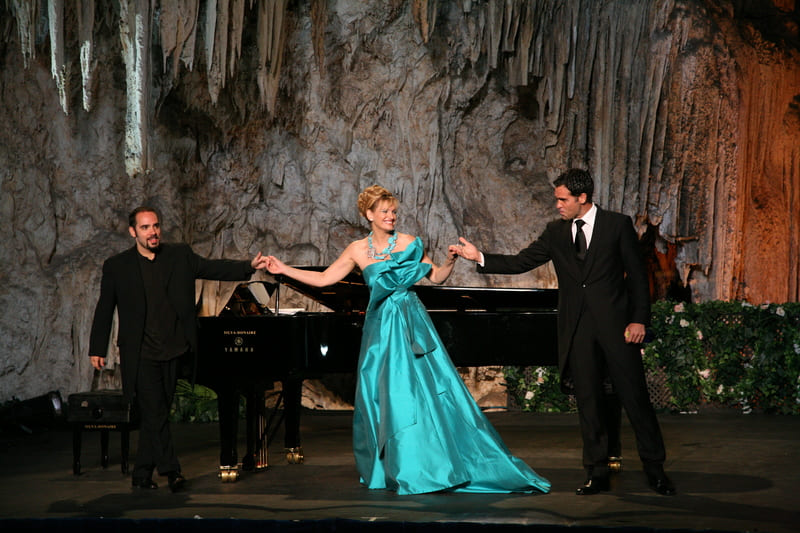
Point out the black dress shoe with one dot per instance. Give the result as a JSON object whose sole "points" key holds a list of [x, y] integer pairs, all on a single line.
{"points": [[593, 485], [176, 481], [660, 483], [146, 483]]}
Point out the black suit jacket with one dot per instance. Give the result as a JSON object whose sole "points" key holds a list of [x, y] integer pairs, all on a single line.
{"points": [[611, 284], [122, 288]]}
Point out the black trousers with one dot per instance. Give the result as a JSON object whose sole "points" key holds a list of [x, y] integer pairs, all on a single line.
{"points": [[595, 353], [155, 390]]}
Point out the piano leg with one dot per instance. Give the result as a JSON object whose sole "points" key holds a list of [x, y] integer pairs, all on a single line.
{"points": [[256, 457], [613, 414], [261, 429], [228, 405], [292, 396]]}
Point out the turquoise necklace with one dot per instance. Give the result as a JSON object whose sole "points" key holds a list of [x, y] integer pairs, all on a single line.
{"points": [[372, 254]]}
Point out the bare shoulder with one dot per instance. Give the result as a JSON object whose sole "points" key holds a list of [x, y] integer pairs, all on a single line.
{"points": [[356, 247], [404, 239], [356, 251]]}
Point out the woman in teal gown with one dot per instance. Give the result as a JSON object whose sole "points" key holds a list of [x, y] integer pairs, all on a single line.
{"points": [[416, 427]]}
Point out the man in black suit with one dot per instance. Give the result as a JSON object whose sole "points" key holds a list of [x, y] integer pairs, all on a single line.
{"points": [[603, 308], [152, 287]]}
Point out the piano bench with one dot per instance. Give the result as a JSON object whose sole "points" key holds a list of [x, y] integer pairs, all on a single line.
{"points": [[102, 411]]}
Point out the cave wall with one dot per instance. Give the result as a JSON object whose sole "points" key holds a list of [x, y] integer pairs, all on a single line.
{"points": [[686, 112]]}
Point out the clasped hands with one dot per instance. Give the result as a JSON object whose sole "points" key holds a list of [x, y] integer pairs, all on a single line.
{"points": [[466, 249], [270, 263]]}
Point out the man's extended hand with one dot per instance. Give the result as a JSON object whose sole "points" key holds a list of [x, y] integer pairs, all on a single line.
{"points": [[466, 249], [98, 362], [259, 262]]}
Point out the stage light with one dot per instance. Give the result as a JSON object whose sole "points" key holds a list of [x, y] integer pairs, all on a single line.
{"points": [[41, 411]]}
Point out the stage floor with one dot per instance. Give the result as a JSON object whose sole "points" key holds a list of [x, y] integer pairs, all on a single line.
{"points": [[733, 472]]}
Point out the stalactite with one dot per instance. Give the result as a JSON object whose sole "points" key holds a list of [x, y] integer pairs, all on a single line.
{"points": [[178, 24], [519, 63], [686, 111], [26, 14], [210, 25], [494, 30], [85, 10], [319, 19], [134, 31], [511, 12], [178, 32], [271, 40], [475, 29], [217, 41], [236, 16], [615, 87], [58, 64], [424, 13], [189, 33]]}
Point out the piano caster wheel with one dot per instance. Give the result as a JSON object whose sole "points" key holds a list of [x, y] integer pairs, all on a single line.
{"points": [[294, 456], [254, 463], [229, 474], [615, 465]]}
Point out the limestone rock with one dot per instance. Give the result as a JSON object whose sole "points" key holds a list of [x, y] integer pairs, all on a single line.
{"points": [[687, 113]]}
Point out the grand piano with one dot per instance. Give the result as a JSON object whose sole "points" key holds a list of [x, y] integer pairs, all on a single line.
{"points": [[249, 347]]}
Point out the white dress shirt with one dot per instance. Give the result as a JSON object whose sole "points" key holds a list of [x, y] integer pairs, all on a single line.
{"points": [[588, 227]]}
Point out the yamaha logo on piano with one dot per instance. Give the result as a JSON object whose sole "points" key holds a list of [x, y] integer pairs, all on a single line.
{"points": [[239, 341]]}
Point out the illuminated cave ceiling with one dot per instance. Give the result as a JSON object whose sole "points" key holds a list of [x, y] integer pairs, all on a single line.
{"points": [[506, 32], [177, 24], [662, 99]]}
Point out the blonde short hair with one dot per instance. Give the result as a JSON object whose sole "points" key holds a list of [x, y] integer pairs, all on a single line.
{"points": [[370, 197]]}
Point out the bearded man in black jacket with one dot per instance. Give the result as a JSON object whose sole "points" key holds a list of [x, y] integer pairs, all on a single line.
{"points": [[152, 287]]}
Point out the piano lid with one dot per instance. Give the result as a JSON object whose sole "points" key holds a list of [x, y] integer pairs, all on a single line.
{"points": [[352, 295], [348, 295], [249, 299]]}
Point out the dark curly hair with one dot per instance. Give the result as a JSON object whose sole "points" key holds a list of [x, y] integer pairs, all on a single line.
{"points": [[578, 181], [140, 209]]}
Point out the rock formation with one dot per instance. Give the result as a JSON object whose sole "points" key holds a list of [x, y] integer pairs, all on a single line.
{"points": [[252, 125]]}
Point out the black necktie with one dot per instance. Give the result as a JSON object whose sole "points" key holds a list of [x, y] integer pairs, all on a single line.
{"points": [[580, 240]]}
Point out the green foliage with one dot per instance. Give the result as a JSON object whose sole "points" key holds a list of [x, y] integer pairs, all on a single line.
{"points": [[194, 404], [538, 389], [674, 349], [728, 353], [197, 404]]}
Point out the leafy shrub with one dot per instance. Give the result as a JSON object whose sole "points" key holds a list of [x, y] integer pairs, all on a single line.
{"points": [[730, 354]]}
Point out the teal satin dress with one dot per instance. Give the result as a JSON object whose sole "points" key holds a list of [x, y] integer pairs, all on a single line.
{"points": [[416, 428]]}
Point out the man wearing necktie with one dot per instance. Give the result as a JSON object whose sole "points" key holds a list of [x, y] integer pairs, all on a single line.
{"points": [[603, 308]]}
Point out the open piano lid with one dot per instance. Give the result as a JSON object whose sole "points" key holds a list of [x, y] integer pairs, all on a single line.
{"points": [[348, 295], [352, 295]]}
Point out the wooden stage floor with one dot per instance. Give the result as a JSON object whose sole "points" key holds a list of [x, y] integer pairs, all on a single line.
{"points": [[733, 472]]}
